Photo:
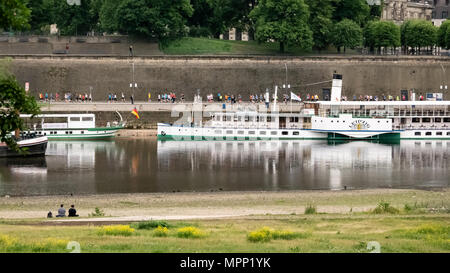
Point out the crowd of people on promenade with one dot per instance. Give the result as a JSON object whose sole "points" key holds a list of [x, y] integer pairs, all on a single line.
{"points": [[68, 97], [171, 97]]}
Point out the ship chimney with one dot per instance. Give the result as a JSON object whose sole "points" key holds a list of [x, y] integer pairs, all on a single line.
{"points": [[336, 87]]}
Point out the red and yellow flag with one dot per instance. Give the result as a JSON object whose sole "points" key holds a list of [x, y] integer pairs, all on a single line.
{"points": [[135, 112]]}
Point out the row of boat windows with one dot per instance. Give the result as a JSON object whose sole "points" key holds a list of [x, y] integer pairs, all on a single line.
{"points": [[56, 133], [273, 133], [251, 119], [82, 118], [429, 133], [343, 121], [416, 120]]}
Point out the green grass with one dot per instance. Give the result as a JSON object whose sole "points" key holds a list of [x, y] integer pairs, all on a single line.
{"points": [[424, 232], [209, 46], [196, 46]]}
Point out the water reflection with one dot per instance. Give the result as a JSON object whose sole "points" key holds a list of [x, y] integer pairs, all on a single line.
{"points": [[147, 165]]}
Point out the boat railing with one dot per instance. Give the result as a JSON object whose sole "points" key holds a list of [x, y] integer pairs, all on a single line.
{"points": [[422, 127]]}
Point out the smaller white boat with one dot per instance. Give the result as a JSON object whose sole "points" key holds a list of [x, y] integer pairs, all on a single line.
{"points": [[71, 126]]}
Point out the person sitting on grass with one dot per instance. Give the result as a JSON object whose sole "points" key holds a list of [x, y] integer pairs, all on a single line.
{"points": [[72, 211], [61, 211]]}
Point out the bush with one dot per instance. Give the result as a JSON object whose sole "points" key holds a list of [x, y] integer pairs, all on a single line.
{"points": [[265, 234], [7, 242], [116, 230], [97, 213], [384, 207], [310, 209], [151, 224], [190, 232], [161, 231]]}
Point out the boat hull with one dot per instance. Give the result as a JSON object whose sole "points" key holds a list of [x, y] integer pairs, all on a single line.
{"points": [[102, 133], [34, 147]]}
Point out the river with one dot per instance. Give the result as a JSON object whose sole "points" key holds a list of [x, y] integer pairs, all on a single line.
{"points": [[138, 165]]}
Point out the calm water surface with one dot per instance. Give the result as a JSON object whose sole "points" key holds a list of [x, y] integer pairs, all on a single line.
{"points": [[148, 165]]}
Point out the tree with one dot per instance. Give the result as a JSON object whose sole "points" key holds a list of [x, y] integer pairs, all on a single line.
{"points": [[13, 102], [447, 37], [418, 34], [378, 34], [72, 20], [442, 33], [108, 15], [355, 10], [347, 34], [320, 22], [284, 21], [14, 14], [154, 18]]}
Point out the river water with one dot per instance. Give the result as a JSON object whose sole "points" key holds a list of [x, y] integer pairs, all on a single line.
{"points": [[148, 165]]}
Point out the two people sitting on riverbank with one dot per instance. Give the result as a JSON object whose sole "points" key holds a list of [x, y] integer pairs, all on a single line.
{"points": [[62, 212]]}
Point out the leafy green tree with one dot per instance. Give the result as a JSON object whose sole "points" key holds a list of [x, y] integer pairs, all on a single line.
{"points": [[71, 20], [284, 21], [14, 14], [154, 18], [108, 15], [355, 10], [13, 102], [418, 34], [442, 33], [41, 13], [378, 34], [447, 37], [347, 34], [320, 22]]}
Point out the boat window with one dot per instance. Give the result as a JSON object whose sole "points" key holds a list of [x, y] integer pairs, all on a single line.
{"points": [[83, 132], [87, 118], [273, 133], [262, 132], [224, 118], [426, 119], [228, 118], [417, 133], [437, 119], [285, 133], [296, 133], [74, 118], [448, 133], [269, 119], [415, 120], [247, 118], [240, 132], [446, 119], [439, 133], [239, 118], [70, 132], [218, 132], [428, 133], [251, 132], [230, 132]]}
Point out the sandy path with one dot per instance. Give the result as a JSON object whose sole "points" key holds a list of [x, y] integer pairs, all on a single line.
{"points": [[123, 207]]}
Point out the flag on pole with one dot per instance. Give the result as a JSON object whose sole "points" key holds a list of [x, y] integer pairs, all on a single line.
{"points": [[135, 112], [295, 97]]}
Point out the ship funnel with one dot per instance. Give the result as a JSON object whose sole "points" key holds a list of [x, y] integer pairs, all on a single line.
{"points": [[336, 88]]}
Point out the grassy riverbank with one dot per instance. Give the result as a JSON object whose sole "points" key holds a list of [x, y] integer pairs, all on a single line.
{"points": [[197, 46], [344, 221]]}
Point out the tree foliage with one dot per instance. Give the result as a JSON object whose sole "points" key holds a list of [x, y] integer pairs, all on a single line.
{"points": [[153, 18], [418, 33], [283, 21], [14, 14], [355, 10], [347, 34], [378, 34], [442, 39], [13, 102], [320, 21]]}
